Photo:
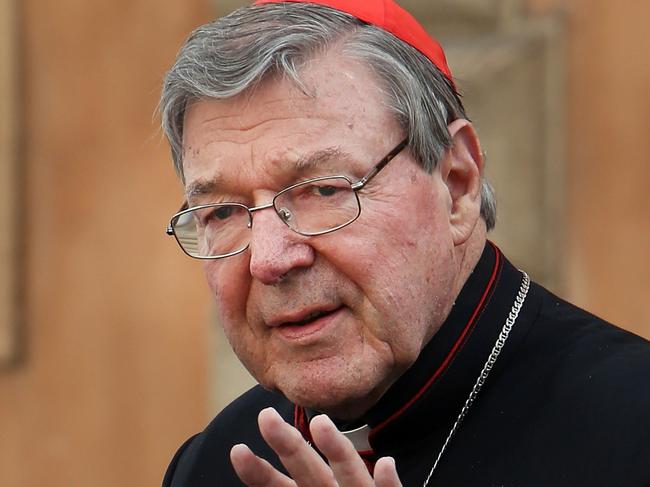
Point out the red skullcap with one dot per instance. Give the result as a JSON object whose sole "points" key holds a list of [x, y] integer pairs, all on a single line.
{"points": [[389, 16]]}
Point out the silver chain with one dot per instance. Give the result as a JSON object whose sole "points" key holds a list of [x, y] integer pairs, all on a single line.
{"points": [[494, 355]]}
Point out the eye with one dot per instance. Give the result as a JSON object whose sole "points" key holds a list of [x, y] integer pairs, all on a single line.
{"points": [[216, 215], [324, 190], [329, 191], [221, 212]]}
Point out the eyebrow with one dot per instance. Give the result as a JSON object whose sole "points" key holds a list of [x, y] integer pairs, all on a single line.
{"points": [[202, 188], [320, 158], [304, 163]]}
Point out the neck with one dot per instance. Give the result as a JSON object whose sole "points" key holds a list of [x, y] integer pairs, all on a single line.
{"points": [[468, 255]]}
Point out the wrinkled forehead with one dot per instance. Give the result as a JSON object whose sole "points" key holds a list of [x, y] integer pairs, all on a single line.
{"points": [[322, 81], [338, 108]]}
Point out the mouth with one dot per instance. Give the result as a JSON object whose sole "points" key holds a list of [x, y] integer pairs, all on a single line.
{"points": [[301, 325], [309, 318]]}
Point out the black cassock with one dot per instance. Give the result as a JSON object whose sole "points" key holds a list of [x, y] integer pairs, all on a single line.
{"points": [[566, 404]]}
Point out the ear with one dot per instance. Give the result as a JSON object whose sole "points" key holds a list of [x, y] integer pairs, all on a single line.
{"points": [[461, 170]]}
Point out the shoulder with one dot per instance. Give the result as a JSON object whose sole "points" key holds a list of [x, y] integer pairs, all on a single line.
{"points": [[204, 459], [589, 371], [577, 337], [571, 401]]}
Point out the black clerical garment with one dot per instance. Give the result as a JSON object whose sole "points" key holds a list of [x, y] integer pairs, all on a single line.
{"points": [[567, 403]]}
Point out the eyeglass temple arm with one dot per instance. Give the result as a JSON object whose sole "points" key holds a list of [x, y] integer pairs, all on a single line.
{"points": [[380, 165]]}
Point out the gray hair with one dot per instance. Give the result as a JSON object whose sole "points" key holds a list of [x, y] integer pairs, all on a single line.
{"points": [[233, 54]]}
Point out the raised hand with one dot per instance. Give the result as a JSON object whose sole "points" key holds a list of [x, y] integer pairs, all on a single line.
{"points": [[306, 467]]}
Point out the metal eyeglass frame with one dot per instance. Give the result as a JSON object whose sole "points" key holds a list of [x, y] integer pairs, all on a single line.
{"points": [[356, 186]]}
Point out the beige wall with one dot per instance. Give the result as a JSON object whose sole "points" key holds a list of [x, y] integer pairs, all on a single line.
{"points": [[116, 372], [608, 173], [8, 176]]}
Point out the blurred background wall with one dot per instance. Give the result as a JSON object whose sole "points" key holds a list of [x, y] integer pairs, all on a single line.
{"points": [[113, 365]]}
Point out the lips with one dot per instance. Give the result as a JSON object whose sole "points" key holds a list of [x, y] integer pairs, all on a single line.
{"points": [[306, 325], [302, 318], [310, 317]]}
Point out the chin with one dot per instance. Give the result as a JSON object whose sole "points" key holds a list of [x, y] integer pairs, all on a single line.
{"points": [[343, 408], [339, 397]]}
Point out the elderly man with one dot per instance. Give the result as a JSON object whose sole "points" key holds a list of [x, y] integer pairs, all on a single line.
{"points": [[335, 194]]}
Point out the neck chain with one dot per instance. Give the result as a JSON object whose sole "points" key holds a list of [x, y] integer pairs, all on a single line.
{"points": [[494, 355]]}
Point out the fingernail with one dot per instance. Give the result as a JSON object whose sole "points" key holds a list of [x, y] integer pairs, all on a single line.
{"points": [[325, 417], [269, 410]]}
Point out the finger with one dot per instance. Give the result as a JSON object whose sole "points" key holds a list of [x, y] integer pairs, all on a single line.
{"points": [[386, 473], [255, 471], [348, 467], [304, 465]]}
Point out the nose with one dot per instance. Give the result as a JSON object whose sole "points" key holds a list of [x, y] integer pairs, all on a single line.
{"points": [[275, 250]]}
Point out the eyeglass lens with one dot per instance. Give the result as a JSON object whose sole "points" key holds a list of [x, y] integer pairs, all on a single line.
{"points": [[310, 208]]}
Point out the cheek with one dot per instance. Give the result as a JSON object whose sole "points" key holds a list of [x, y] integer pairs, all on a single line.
{"points": [[229, 281], [403, 267], [389, 252]]}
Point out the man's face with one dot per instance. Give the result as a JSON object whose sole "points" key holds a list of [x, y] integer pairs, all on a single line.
{"points": [[330, 321]]}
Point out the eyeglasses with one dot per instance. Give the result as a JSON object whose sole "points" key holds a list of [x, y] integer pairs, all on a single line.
{"points": [[313, 207]]}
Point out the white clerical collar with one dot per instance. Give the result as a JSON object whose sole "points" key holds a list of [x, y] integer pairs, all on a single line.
{"points": [[359, 437]]}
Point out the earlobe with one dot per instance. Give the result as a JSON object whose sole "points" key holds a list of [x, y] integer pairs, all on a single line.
{"points": [[461, 170]]}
